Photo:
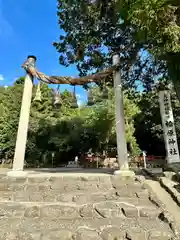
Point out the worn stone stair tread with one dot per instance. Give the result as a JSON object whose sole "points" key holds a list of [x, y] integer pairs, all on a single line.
{"points": [[41, 193], [88, 232], [99, 210], [44, 207], [29, 225], [130, 202]]}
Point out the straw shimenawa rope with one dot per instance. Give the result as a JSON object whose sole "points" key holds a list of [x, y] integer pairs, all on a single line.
{"points": [[67, 80]]}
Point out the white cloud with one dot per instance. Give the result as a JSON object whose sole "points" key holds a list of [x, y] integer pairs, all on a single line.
{"points": [[78, 96], [1, 77], [80, 102]]}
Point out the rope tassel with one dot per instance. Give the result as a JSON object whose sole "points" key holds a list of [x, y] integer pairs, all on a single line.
{"points": [[57, 98], [74, 99], [90, 98], [38, 93], [105, 92]]}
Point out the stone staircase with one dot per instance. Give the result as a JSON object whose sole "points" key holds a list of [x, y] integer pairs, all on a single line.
{"points": [[80, 208]]}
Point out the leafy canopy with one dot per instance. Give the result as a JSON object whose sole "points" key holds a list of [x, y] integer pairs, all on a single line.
{"points": [[145, 32]]}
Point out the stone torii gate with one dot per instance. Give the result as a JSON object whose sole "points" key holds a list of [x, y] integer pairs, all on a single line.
{"points": [[29, 66]]}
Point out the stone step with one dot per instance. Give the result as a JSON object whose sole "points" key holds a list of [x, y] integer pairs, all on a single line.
{"points": [[79, 208], [31, 194], [95, 229], [68, 189], [104, 209], [66, 183]]}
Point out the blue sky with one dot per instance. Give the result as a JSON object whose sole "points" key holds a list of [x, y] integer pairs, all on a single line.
{"points": [[29, 28]]}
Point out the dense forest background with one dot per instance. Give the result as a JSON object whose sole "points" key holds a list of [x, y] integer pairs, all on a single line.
{"points": [[67, 132]]}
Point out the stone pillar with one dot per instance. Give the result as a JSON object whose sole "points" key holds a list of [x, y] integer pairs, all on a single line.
{"points": [[120, 123], [18, 163], [170, 139]]}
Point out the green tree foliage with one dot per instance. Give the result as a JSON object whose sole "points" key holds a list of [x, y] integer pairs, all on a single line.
{"points": [[158, 24], [91, 35], [10, 102], [145, 32], [148, 127], [67, 132], [63, 131]]}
